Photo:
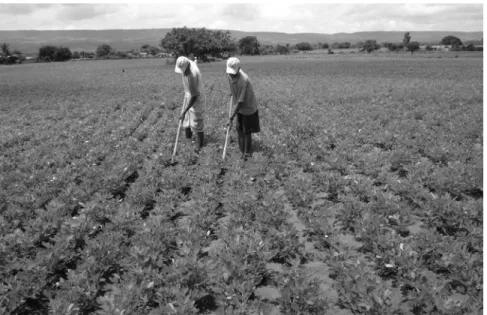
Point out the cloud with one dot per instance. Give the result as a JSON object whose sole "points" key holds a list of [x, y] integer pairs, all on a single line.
{"points": [[85, 11], [300, 28], [218, 24], [241, 11], [412, 11], [411, 16], [276, 27], [278, 17], [23, 8], [187, 10]]}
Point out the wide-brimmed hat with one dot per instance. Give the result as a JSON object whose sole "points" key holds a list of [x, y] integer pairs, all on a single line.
{"points": [[181, 64], [233, 64]]}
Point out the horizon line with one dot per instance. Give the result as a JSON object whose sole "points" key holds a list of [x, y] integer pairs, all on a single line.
{"points": [[161, 28]]}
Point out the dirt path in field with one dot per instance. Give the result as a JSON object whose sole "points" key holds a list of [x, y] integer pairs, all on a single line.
{"points": [[318, 268]]}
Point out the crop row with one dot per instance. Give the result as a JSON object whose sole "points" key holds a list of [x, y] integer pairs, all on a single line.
{"points": [[363, 193]]}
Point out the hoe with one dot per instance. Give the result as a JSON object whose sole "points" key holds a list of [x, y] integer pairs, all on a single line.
{"points": [[177, 135], [228, 128]]}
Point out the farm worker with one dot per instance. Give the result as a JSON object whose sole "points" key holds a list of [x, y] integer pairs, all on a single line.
{"points": [[246, 106], [194, 98]]}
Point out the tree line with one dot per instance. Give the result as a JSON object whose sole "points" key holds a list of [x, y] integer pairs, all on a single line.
{"points": [[204, 43], [10, 57], [199, 42]]}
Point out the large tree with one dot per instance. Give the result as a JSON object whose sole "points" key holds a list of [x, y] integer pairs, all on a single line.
{"points": [[249, 45], [185, 41], [451, 40], [104, 50]]}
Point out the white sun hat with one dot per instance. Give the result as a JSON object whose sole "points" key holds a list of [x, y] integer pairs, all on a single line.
{"points": [[181, 64], [233, 64]]}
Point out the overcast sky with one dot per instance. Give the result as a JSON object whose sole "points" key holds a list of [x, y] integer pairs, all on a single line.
{"points": [[273, 17]]}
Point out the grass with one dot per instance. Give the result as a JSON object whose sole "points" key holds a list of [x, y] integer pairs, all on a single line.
{"points": [[364, 194]]}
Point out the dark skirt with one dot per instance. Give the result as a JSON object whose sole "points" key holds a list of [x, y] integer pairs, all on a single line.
{"points": [[248, 123]]}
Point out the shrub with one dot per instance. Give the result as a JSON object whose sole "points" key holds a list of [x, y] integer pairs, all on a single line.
{"points": [[249, 45], [451, 40], [62, 54], [282, 50], [54, 53], [304, 46], [412, 47], [47, 51], [103, 50], [371, 45]]}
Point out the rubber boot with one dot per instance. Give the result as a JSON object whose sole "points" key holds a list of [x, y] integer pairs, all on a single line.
{"points": [[188, 132], [248, 146], [199, 141], [241, 141]]}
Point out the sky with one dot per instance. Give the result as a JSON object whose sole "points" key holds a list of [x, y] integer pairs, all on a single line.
{"points": [[282, 16]]}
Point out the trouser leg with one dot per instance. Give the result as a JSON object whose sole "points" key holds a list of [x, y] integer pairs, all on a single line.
{"points": [[241, 141], [187, 126], [248, 144], [199, 141], [188, 132]]}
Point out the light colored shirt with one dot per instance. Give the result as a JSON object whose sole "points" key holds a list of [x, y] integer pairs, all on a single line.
{"points": [[242, 91], [193, 86]]}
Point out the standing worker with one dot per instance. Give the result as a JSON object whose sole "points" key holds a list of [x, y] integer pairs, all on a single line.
{"points": [[246, 106], [194, 98]]}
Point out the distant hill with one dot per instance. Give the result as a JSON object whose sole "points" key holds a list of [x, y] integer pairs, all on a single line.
{"points": [[422, 37], [88, 40]]}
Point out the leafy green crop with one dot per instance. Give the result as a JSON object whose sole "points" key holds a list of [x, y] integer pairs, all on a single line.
{"points": [[364, 194]]}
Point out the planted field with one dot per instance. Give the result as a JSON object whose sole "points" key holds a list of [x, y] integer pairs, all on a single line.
{"points": [[364, 195]]}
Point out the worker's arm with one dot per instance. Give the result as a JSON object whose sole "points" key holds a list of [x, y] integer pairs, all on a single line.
{"points": [[237, 108], [192, 100], [193, 90]]}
